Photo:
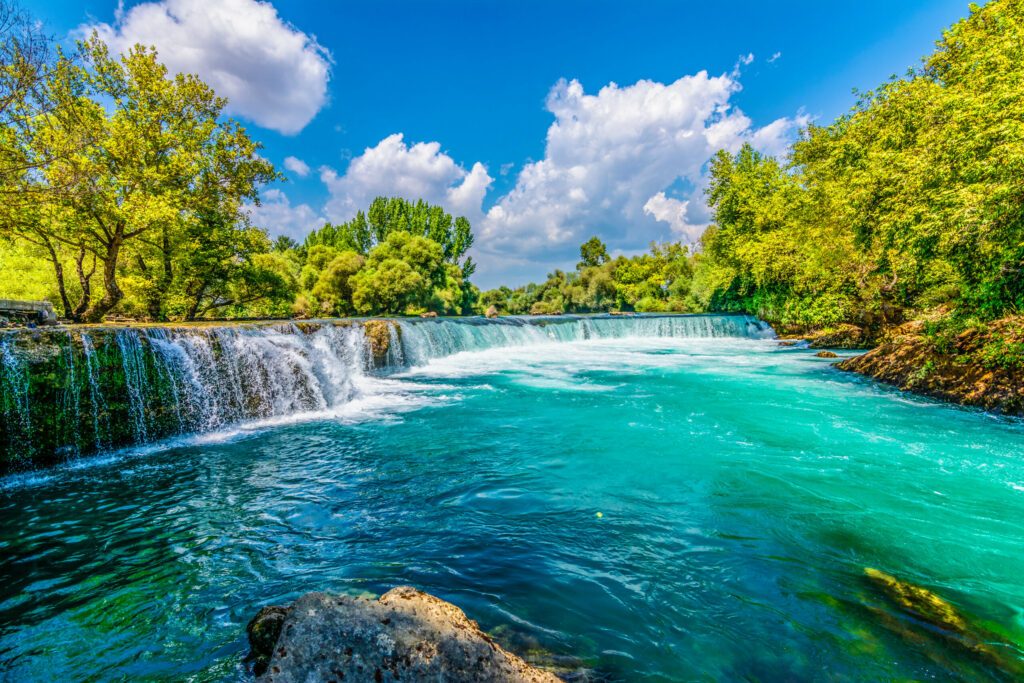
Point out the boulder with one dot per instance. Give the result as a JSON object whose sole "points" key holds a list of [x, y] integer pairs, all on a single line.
{"points": [[826, 354], [264, 630], [492, 312], [406, 635], [429, 314]]}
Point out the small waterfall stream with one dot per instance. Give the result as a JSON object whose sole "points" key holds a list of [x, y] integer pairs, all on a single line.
{"points": [[70, 392]]}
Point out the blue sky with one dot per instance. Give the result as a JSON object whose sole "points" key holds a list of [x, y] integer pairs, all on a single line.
{"points": [[507, 113]]}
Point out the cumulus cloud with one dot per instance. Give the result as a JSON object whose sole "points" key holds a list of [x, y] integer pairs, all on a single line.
{"points": [[271, 72], [417, 171], [278, 216], [673, 212], [609, 159], [296, 166]]}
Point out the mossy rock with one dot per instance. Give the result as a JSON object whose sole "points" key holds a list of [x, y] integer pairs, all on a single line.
{"points": [[378, 336]]}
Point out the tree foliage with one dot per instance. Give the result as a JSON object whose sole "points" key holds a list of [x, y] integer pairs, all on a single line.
{"points": [[915, 199], [398, 257], [132, 185], [655, 281]]}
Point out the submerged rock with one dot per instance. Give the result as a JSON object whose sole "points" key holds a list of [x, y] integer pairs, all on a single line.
{"points": [[933, 616], [406, 635], [826, 354]]}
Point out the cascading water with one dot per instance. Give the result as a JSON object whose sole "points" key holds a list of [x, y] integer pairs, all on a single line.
{"points": [[14, 398], [71, 392], [100, 417], [422, 340], [65, 393]]}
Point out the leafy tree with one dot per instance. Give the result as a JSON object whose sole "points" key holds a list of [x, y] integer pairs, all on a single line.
{"points": [[593, 253], [153, 159], [386, 216], [333, 288], [417, 244], [915, 199], [391, 286]]}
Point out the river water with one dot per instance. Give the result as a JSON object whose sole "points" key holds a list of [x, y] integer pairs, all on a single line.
{"points": [[635, 507]]}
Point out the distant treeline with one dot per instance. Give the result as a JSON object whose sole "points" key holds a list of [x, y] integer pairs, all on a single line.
{"points": [[656, 281]]}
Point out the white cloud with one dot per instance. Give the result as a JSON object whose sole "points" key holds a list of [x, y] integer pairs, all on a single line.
{"points": [[278, 217], [271, 72], [296, 166], [774, 58], [673, 212], [417, 171], [609, 159]]}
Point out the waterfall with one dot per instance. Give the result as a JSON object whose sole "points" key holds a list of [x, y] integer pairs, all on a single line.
{"points": [[75, 391], [135, 381], [422, 340], [14, 401]]}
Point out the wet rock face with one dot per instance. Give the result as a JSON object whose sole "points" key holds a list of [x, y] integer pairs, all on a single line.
{"points": [[406, 635], [264, 630], [378, 336]]}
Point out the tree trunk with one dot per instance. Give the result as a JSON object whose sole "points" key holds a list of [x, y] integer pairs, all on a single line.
{"points": [[58, 269], [193, 311], [85, 280], [112, 294]]}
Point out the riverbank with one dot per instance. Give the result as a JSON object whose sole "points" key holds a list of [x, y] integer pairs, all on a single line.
{"points": [[981, 367]]}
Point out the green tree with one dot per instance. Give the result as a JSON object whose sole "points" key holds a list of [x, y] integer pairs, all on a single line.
{"points": [[153, 158], [593, 253], [333, 288]]}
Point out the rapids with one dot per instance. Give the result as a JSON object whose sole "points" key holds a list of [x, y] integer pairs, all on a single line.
{"points": [[743, 489]]}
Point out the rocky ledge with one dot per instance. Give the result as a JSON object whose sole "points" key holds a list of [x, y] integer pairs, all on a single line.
{"points": [[406, 635], [977, 367]]}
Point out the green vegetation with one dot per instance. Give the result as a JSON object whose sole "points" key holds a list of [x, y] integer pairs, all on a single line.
{"points": [[399, 257], [911, 202], [128, 188], [124, 193], [659, 280]]}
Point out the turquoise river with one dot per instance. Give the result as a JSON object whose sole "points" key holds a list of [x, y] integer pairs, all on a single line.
{"points": [[633, 499]]}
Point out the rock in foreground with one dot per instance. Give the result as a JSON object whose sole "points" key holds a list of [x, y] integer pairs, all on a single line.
{"points": [[406, 635]]}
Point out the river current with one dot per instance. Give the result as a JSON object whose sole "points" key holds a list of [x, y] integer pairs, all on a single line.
{"points": [[634, 507]]}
